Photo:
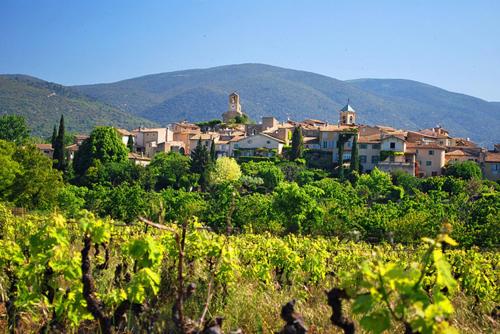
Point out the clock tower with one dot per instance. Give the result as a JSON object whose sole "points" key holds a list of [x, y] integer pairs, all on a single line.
{"points": [[234, 108]]}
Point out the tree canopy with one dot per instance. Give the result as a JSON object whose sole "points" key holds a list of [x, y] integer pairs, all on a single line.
{"points": [[14, 128], [104, 145]]}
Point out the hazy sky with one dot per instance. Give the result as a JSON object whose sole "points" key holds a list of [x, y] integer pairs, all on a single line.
{"points": [[452, 44]]}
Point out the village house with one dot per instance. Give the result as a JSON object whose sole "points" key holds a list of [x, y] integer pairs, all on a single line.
{"points": [[490, 163], [430, 158], [148, 140], [257, 145]]}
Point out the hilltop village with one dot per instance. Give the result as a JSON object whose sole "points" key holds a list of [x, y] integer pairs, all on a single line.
{"points": [[420, 153]]}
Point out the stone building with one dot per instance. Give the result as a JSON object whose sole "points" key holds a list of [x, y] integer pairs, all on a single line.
{"points": [[234, 109]]}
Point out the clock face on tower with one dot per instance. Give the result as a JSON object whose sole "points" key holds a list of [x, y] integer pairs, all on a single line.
{"points": [[233, 106]]}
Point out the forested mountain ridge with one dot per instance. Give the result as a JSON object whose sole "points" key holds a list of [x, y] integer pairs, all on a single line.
{"points": [[42, 104], [201, 94]]}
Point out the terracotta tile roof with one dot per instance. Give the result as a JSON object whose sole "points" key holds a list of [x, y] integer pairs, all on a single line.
{"points": [[135, 156], [148, 130], [336, 128], [73, 147], [456, 153], [369, 139], [492, 157], [205, 136], [44, 146], [311, 140], [424, 146], [124, 132]]}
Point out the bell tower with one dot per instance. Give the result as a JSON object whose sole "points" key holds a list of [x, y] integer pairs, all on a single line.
{"points": [[234, 108], [347, 115]]}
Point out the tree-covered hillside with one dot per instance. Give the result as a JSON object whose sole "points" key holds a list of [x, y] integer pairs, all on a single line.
{"points": [[201, 94], [42, 104]]}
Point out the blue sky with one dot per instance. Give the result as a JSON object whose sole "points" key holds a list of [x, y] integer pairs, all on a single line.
{"points": [[451, 44]]}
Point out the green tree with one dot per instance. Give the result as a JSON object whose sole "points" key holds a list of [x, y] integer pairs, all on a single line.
{"points": [[37, 184], [297, 150], [266, 170], [59, 155], [296, 209], [213, 154], [54, 136], [225, 170], [13, 128], [9, 168], [170, 170], [103, 146], [200, 161], [130, 143], [464, 170], [354, 155]]}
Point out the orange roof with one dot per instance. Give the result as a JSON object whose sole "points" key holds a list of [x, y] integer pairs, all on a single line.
{"points": [[492, 157], [373, 138], [124, 132], [457, 153], [336, 128], [44, 146], [424, 146]]}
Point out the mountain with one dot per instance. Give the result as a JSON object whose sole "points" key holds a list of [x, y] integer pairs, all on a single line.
{"points": [[42, 104], [201, 94]]}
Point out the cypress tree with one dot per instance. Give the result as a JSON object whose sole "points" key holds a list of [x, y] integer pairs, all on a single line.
{"points": [[59, 151], [297, 144], [130, 143], [200, 160], [354, 166], [213, 155], [54, 136]]}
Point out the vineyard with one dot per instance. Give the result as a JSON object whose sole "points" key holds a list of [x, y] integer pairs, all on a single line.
{"points": [[211, 245], [89, 275]]}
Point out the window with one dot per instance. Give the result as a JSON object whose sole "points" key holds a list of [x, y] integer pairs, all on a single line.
{"points": [[376, 146], [434, 173], [362, 159], [392, 145], [431, 152], [363, 147], [325, 144], [375, 159], [428, 163], [269, 142], [348, 144]]}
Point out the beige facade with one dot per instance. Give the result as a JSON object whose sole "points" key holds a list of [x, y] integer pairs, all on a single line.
{"points": [[430, 158], [259, 144], [490, 164], [369, 154], [402, 162]]}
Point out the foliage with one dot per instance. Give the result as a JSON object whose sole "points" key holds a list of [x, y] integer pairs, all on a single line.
{"points": [[59, 146], [27, 177], [103, 146], [171, 170], [13, 128], [225, 170], [297, 149], [200, 160], [465, 170], [270, 174], [41, 102]]}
